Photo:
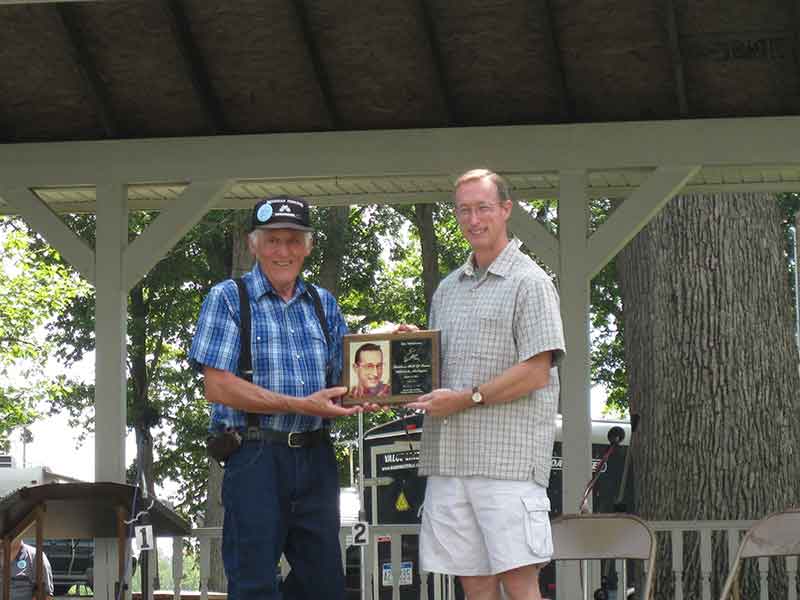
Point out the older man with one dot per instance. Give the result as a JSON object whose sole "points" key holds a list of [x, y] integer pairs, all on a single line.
{"points": [[488, 434], [23, 572], [280, 489]]}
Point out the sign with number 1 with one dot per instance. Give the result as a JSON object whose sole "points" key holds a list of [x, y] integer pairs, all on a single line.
{"points": [[144, 537]]}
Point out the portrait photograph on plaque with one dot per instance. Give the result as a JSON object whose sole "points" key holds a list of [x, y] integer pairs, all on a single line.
{"points": [[390, 368]]}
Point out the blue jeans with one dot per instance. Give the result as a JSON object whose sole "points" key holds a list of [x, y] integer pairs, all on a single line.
{"points": [[282, 500]]}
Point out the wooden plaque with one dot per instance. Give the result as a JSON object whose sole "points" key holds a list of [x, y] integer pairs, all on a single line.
{"points": [[390, 368]]}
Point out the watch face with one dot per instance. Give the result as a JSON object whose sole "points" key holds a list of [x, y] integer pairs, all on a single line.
{"points": [[477, 397]]}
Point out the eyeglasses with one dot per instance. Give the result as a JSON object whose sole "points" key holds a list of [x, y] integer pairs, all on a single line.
{"points": [[463, 213]]}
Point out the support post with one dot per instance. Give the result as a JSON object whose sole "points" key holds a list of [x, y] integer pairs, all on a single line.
{"points": [[573, 214], [40, 593], [110, 354]]}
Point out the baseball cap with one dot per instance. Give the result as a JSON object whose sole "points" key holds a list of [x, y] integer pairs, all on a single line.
{"points": [[281, 212]]}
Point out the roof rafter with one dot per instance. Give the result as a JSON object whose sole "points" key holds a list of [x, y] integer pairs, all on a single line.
{"points": [[567, 101], [301, 16], [673, 39], [6, 133], [195, 67], [795, 13], [88, 71], [429, 25]]}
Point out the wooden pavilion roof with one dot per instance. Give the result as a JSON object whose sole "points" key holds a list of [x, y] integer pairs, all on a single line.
{"points": [[174, 68]]}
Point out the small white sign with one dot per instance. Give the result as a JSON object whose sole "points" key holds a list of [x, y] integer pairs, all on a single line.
{"points": [[360, 533], [406, 573], [144, 537]]}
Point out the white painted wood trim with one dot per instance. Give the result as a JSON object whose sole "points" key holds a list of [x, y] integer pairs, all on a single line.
{"points": [[42, 218], [509, 149], [170, 226], [110, 354], [535, 236], [110, 334], [428, 197], [635, 212], [573, 214]]}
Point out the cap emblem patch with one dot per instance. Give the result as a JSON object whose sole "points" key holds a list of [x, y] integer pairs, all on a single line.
{"points": [[264, 213]]}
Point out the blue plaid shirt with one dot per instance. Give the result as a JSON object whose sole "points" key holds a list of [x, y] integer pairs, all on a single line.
{"points": [[287, 341]]}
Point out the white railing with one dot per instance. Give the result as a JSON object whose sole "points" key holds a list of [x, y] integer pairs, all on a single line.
{"points": [[443, 587], [732, 532]]}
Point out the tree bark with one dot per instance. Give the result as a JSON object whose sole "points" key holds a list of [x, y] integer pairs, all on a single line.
{"points": [[241, 263], [423, 219], [336, 228], [712, 369]]}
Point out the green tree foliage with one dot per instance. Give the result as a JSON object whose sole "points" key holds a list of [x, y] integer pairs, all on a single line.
{"points": [[606, 314], [165, 401], [790, 205], [191, 573], [33, 289], [165, 405]]}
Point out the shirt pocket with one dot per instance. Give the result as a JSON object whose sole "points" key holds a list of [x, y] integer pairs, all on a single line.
{"points": [[313, 346], [492, 348], [537, 526]]}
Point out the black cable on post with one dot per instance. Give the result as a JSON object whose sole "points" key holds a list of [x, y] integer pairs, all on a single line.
{"points": [[144, 519], [135, 517]]}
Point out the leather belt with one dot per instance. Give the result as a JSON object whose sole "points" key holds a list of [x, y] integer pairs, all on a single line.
{"points": [[293, 439]]}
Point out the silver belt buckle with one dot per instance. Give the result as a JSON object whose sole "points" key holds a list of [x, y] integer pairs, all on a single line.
{"points": [[294, 444]]}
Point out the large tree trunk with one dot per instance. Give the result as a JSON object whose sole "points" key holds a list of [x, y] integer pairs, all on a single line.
{"points": [[423, 219], [712, 368], [336, 239], [242, 262]]}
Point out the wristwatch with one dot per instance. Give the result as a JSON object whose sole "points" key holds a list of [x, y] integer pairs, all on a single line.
{"points": [[477, 397]]}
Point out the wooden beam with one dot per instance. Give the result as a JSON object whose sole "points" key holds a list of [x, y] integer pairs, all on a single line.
{"points": [[52, 227], [535, 236], [315, 56], [95, 88], [169, 227], [795, 16], [574, 371], [673, 40], [7, 566], [23, 2], [40, 594], [429, 26], [401, 198], [447, 151], [7, 134], [554, 44], [29, 519], [122, 542], [634, 213], [195, 67]]}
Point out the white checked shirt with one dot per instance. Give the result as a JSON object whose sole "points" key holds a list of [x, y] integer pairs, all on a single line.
{"points": [[488, 325]]}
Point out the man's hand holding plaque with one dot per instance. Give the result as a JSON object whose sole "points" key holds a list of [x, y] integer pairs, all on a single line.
{"points": [[390, 368]]}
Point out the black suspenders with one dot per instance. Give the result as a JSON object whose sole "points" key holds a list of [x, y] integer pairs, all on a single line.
{"points": [[245, 328]]}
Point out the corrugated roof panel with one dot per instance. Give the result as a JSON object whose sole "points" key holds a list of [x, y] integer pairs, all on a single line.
{"points": [[751, 175], [711, 175], [771, 175], [731, 175], [597, 179]]}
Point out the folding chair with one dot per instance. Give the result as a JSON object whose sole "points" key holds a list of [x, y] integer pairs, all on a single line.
{"points": [[775, 535], [605, 536]]}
